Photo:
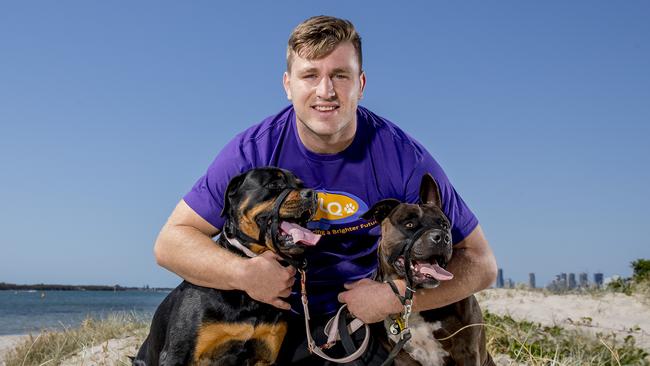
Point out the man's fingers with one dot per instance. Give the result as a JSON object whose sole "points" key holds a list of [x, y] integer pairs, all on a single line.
{"points": [[285, 293], [341, 297], [292, 270], [281, 304], [351, 285], [270, 254]]}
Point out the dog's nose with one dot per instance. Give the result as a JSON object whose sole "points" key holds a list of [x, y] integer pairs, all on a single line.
{"points": [[439, 237], [307, 194]]}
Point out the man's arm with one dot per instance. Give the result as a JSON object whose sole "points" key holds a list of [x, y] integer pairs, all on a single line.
{"points": [[184, 246], [474, 268]]}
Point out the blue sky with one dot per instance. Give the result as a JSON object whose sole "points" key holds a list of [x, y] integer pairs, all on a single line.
{"points": [[109, 111]]}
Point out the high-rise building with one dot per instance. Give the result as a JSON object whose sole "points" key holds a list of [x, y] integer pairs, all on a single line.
{"points": [[564, 283], [500, 278], [531, 280], [583, 280], [598, 279], [572, 280]]}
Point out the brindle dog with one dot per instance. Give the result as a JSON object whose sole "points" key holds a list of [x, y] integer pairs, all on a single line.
{"points": [[430, 229], [265, 209]]}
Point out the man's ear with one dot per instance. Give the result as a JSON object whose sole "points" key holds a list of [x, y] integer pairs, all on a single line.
{"points": [[429, 192], [233, 186], [285, 83], [380, 210]]}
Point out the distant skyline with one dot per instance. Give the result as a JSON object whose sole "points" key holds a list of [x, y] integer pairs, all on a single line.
{"points": [[590, 278], [539, 113]]}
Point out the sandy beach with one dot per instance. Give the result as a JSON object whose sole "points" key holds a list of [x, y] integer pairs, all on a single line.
{"points": [[600, 313], [7, 343]]}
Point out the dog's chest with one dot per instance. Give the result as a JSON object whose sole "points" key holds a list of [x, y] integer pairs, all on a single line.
{"points": [[422, 347]]}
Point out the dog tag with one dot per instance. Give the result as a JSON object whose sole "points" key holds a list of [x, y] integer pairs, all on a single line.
{"points": [[394, 328]]}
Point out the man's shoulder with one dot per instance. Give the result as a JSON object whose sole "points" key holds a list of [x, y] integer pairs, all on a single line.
{"points": [[387, 131], [268, 128]]}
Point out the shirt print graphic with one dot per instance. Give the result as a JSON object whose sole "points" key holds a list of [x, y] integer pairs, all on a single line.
{"points": [[339, 213]]}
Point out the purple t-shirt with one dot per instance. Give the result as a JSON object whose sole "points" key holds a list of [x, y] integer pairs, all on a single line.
{"points": [[382, 162]]}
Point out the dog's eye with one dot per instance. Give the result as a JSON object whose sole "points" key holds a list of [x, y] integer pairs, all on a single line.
{"points": [[409, 225]]}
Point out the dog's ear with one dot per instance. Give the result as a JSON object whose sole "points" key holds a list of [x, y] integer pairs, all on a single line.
{"points": [[380, 210], [429, 192], [233, 186]]}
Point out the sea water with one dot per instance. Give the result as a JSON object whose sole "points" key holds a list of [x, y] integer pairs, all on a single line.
{"points": [[22, 312]]}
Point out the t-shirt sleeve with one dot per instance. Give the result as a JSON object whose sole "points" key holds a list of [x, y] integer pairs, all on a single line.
{"points": [[206, 197], [462, 219]]}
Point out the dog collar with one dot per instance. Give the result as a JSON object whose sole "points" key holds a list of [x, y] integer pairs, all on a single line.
{"points": [[235, 243]]}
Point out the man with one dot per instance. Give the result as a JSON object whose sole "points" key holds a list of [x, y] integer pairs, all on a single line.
{"points": [[352, 158]]}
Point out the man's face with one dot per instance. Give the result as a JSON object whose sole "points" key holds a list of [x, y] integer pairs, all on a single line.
{"points": [[325, 93]]}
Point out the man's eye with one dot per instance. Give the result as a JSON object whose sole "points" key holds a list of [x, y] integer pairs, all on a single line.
{"points": [[341, 76], [309, 76]]}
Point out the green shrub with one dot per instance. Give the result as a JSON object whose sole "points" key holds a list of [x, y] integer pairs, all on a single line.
{"points": [[641, 268]]}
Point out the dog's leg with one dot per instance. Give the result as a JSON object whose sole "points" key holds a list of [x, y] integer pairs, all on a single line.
{"points": [[271, 336]]}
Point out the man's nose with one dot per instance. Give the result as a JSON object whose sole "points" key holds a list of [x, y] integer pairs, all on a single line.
{"points": [[325, 88]]}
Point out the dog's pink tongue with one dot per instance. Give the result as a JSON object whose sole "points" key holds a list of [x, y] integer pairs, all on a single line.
{"points": [[435, 271], [299, 233]]}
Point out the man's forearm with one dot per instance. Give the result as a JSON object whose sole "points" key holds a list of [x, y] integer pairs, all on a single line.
{"points": [[184, 246], [471, 277], [195, 257]]}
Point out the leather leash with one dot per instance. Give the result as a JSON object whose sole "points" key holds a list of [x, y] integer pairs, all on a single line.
{"points": [[336, 325], [333, 328]]}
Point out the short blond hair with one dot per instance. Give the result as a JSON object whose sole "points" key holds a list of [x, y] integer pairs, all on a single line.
{"points": [[318, 36]]}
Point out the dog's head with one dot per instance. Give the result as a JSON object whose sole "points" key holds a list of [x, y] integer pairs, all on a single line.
{"points": [[400, 222], [260, 215]]}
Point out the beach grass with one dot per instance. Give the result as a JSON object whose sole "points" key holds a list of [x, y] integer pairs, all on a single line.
{"points": [[524, 342], [51, 347], [534, 344]]}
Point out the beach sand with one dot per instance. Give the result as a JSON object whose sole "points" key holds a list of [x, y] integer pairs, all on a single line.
{"points": [[604, 313], [112, 352], [600, 313], [7, 343]]}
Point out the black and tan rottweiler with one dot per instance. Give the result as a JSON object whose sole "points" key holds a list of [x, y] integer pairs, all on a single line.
{"points": [[416, 242], [265, 209]]}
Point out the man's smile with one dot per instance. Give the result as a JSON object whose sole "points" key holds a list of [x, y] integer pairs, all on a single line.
{"points": [[325, 108]]}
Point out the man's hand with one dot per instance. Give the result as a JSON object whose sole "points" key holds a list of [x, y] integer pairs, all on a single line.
{"points": [[266, 280], [369, 300]]}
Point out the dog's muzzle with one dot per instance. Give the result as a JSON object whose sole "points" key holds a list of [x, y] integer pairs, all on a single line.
{"points": [[423, 258]]}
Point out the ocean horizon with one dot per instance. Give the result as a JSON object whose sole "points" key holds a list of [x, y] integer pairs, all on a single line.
{"points": [[24, 312]]}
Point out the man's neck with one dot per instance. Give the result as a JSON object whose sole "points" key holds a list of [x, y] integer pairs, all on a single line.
{"points": [[326, 144]]}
